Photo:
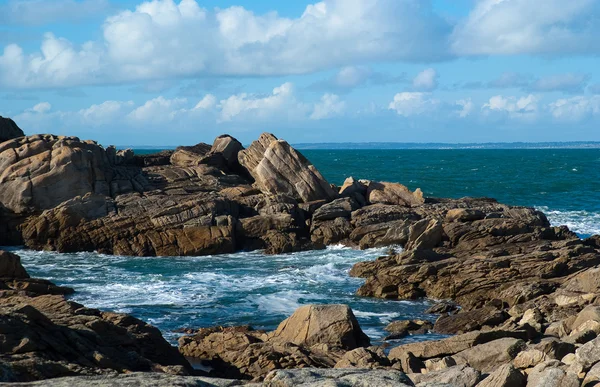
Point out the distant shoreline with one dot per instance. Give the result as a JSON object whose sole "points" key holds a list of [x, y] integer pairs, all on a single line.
{"points": [[420, 146]]}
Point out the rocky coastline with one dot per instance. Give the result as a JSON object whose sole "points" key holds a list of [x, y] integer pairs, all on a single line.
{"points": [[521, 305]]}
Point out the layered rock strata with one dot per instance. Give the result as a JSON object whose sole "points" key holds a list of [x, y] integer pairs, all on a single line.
{"points": [[42, 335]]}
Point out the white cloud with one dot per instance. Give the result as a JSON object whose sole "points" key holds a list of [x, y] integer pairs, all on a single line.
{"points": [[426, 80], [575, 108], [104, 113], [165, 39], [330, 106], [157, 110], [523, 107], [412, 103], [507, 27], [466, 107], [42, 107], [207, 103], [282, 102]]}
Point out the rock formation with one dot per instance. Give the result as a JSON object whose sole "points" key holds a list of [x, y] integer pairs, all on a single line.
{"points": [[65, 194], [9, 129], [42, 335], [314, 336]]}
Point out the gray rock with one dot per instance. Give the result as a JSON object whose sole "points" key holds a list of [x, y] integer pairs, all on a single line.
{"points": [[137, 379], [504, 376], [337, 377], [548, 374], [589, 353], [487, 357], [458, 376]]}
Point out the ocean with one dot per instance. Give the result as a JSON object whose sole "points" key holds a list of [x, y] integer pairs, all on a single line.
{"points": [[251, 288]]}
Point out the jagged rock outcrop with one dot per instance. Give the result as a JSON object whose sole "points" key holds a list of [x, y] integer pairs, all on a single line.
{"points": [[42, 171], [278, 168], [42, 335], [9, 129]]}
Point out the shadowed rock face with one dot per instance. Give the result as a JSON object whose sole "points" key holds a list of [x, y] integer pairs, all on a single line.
{"points": [[9, 129], [43, 335]]}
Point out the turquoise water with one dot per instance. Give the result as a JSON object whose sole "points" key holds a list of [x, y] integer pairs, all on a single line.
{"points": [[564, 183], [250, 288]]}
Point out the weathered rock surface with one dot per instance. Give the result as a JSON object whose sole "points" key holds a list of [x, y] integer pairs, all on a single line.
{"points": [[9, 129], [43, 336], [459, 376], [137, 379], [278, 168], [337, 377]]}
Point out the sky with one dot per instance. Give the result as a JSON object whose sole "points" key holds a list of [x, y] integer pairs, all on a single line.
{"points": [[165, 72]]}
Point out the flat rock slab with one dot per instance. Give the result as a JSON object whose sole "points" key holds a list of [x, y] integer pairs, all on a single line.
{"points": [[337, 377], [138, 379]]}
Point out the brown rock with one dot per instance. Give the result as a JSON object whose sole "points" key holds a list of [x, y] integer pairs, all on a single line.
{"points": [[470, 321], [505, 376], [334, 325], [362, 358], [278, 168], [393, 193], [489, 356], [40, 172], [461, 375], [452, 345], [46, 337], [189, 156]]}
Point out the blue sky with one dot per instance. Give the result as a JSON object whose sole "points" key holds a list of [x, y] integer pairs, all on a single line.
{"points": [[167, 72]]}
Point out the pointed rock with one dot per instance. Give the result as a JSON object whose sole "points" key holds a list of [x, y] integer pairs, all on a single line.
{"points": [[278, 168]]}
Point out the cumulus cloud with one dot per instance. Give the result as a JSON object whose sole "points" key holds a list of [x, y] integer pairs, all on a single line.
{"points": [[507, 27], [466, 107], [280, 106], [41, 107], [512, 106], [157, 110], [166, 39], [413, 103], [104, 113], [329, 106], [426, 80], [575, 108], [282, 101]]}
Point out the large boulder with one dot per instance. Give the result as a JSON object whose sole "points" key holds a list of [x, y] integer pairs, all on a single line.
{"points": [[188, 156], [334, 325], [393, 193], [9, 129], [229, 147], [461, 375], [318, 336], [277, 168]]}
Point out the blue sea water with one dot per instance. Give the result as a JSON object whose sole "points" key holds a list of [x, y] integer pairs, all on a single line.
{"points": [[251, 288]]}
